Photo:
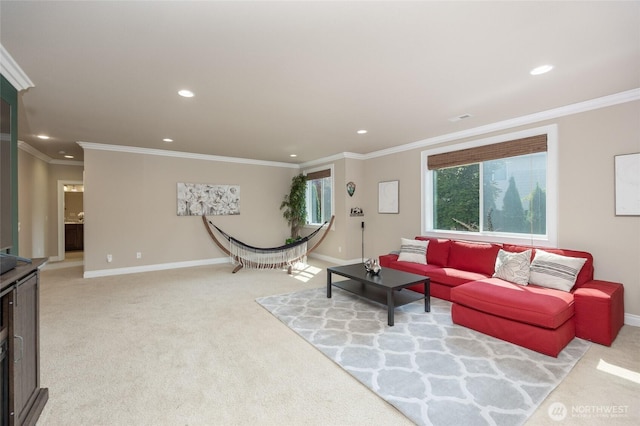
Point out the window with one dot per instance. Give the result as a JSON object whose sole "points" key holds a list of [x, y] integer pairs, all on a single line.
{"points": [[319, 195], [498, 189]]}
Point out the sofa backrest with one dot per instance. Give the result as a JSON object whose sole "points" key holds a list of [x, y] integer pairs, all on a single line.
{"points": [[481, 257], [437, 250], [473, 257], [586, 273]]}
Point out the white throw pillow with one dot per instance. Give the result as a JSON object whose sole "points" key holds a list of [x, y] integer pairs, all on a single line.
{"points": [[555, 271], [413, 251], [513, 267]]}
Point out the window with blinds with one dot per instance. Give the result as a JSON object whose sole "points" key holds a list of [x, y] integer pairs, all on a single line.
{"points": [[319, 195], [496, 188]]}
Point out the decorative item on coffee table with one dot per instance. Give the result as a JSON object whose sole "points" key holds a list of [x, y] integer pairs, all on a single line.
{"points": [[372, 266]]}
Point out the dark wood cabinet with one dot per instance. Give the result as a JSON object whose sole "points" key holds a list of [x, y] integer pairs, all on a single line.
{"points": [[73, 236], [22, 397]]}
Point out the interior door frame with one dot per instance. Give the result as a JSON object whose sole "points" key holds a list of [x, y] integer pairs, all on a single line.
{"points": [[61, 235]]}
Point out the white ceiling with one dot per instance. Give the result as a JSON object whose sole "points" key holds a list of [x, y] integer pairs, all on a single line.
{"points": [[278, 78]]}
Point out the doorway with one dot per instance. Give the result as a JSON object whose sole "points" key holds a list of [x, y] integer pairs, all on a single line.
{"points": [[70, 221]]}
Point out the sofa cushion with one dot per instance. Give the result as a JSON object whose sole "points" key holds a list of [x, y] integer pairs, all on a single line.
{"points": [[539, 306], [438, 250], [473, 257], [554, 270], [513, 267], [586, 273], [414, 268], [413, 251], [454, 277], [445, 276]]}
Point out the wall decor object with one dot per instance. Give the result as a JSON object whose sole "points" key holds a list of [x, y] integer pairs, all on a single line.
{"points": [[357, 211], [627, 184], [388, 197], [195, 199], [351, 188]]}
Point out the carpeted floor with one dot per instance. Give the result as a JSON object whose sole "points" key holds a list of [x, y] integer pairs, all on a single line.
{"points": [[192, 347], [432, 370]]}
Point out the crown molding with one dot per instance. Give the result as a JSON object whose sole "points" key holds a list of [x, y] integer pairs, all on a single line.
{"points": [[67, 163], [331, 158], [44, 157], [593, 104], [10, 69], [603, 102], [31, 150], [178, 154]]}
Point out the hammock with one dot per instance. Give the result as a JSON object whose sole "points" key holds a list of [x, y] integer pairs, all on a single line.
{"points": [[245, 255]]}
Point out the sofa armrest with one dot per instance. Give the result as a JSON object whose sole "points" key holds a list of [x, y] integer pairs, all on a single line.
{"points": [[387, 259], [599, 311]]}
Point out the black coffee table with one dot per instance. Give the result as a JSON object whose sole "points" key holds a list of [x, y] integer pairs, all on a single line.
{"points": [[382, 288]]}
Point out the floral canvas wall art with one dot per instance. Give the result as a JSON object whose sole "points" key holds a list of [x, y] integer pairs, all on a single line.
{"points": [[195, 199]]}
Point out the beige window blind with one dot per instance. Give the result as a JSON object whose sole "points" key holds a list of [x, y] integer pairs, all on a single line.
{"points": [[514, 148]]}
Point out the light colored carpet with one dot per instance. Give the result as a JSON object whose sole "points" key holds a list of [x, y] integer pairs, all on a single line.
{"points": [[192, 347], [432, 370]]}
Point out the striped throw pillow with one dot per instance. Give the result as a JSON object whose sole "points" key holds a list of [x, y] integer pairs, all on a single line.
{"points": [[555, 271], [414, 251]]}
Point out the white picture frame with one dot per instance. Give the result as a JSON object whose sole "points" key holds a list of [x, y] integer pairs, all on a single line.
{"points": [[388, 197], [627, 184]]}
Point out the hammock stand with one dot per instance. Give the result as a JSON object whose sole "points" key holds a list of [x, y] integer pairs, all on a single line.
{"points": [[244, 255]]}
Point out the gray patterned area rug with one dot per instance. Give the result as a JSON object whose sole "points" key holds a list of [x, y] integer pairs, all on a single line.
{"points": [[433, 371]]}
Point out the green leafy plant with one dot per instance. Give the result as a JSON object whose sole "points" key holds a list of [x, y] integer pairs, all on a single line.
{"points": [[295, 206]]}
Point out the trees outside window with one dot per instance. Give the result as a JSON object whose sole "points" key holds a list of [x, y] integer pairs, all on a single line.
{"points": [[513, 195], [319, 196]]}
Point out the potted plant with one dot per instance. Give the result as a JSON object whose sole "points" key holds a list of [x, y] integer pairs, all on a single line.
{"points": [[295, 206]]}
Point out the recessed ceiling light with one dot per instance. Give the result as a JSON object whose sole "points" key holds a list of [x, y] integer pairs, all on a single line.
{"points": [[167, 140], [361, 132], [541, 69], [68, 156], [186, 93], [45, 137], [292, 155]]}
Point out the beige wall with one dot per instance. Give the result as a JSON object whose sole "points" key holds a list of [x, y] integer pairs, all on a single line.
{"points": [[130, 202], [32, 205], [588, 143], [354, 172], [38, 203], [130, 206]]}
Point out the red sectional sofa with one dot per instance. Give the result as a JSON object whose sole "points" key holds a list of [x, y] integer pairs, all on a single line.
{"points": [[539, 318]]}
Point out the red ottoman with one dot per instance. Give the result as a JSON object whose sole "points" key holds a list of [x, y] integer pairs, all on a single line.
{"points": [[599, 311]]}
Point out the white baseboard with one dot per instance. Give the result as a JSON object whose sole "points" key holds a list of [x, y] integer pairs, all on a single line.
{"points": [[52, 264], [334, 260], [630, 319], [157, 267]]}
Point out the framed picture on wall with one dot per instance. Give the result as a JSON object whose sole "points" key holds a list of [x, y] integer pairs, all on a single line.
{"points": [[196, 199], [388, 197], [627, 184]]}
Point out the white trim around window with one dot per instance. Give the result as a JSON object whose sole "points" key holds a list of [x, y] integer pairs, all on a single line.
{"points": [[548, 240], [333, 189]]}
